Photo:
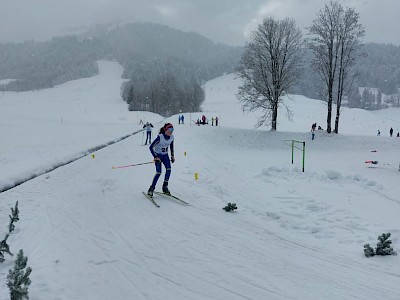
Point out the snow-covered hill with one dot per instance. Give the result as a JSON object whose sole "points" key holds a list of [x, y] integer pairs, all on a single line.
{"points": [[89, 233]]}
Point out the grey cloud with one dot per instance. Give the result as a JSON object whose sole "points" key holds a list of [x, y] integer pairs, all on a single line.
{"points": [[227, 21]]}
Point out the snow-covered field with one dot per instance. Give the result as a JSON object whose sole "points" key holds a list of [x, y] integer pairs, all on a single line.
{"points": [[89, 233]]}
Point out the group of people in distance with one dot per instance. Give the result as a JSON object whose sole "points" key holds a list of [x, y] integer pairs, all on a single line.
{"points": [[390, 132], [313, 127], [204, 121]]}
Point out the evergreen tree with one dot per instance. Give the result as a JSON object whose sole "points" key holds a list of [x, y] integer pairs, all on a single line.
{"points": [[379, 99], [368, 250], [354, 98], [18, 279], [383, 246], [13, 218], [4, 248]]}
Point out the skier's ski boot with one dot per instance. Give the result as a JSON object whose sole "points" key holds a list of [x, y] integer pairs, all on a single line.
{"points": [[150, 191], [165, 189]]}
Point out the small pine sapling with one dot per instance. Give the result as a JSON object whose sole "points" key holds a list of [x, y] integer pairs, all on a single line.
{"points": [[230, 207], [18, 278], [4, 248], [383, 247], [14, 217], [368, 250]]}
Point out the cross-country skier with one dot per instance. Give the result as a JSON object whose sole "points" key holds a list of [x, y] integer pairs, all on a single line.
{"points": [[159, 150], [148, 127]]}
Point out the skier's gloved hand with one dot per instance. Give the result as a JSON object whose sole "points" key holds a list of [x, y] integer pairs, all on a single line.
{"points": [[172, 159], [157, 159]]}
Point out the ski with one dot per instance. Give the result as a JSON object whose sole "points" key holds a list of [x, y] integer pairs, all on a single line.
{"points": [[151, 199], [172, 196]]}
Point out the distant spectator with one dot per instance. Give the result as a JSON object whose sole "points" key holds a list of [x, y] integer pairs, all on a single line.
{"points": [[212, 121], [312, 134], [398, 134], [216, 121], [379, 133], [391, 131], [148, 127], [183, 119], [313, 126]]}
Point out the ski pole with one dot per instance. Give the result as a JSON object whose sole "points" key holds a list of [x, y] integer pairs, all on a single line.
{"points": [[127, 166]]}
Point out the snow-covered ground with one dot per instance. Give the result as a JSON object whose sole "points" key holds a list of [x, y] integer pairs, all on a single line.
{"points": [[89, 233]]}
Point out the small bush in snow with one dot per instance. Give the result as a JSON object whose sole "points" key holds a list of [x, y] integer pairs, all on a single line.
{"points": [[368, 250], [382, 248], [18, 278]]}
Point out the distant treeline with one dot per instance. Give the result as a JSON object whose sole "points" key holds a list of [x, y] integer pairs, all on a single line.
{"points": [[378, 66], [163, 87], [165, 67], [36, 65]]}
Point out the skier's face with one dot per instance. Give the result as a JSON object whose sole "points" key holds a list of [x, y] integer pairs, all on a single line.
{"points": [[169, 131]]}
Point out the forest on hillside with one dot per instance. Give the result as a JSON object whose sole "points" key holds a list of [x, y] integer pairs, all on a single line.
{"points": [[166, 67]]}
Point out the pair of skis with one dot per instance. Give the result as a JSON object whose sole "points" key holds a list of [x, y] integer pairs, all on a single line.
{"points": [[165, 195]]}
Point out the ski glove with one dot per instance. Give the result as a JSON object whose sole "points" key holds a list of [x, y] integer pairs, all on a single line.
{"points": [[172, 159]]}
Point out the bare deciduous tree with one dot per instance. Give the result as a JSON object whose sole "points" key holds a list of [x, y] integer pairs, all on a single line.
{"points": [[270, 65], [335, 36], [349, 39]]}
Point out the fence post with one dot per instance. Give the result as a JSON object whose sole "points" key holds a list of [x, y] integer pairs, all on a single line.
{"points": [[292, 151], [304, 153]]}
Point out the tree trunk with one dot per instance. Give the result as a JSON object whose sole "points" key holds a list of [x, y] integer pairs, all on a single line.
{"points": [[337, 120], [274, 117], [329, 117]]}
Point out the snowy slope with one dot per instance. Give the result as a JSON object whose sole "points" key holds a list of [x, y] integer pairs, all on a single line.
{"points": [[89, 233]]}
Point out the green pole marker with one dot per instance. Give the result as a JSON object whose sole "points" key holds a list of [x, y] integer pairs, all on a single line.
{"points": [[292, 144]]}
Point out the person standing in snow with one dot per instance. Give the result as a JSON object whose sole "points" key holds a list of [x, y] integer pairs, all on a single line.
{"points": [[183, 119], [391, 131], [313, 126], [159, 150], [148, 127]]}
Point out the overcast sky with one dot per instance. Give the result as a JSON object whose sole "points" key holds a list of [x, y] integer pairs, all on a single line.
{"points": [[226, 21]]}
